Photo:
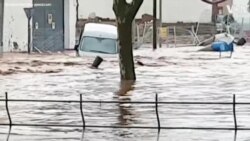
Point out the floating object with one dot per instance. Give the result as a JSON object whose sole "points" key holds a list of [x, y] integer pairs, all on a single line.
{"points": [[97, 62], [140, 63], [223, 47], [241, 42]]}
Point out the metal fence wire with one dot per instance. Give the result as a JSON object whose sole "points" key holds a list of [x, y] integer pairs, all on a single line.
{"points": [[156, 103]]}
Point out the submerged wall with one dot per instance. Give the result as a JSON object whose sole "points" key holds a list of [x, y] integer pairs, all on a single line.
{"points": [[15, 25]]}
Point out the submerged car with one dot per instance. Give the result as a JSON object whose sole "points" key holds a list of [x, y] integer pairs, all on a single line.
{"points": [[98, 40]]}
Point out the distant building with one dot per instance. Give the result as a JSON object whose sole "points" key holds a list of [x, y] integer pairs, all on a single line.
{"points": [[173, 10], [53, 25], [223, 7]]}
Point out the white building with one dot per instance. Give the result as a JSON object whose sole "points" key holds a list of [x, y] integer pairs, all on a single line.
{"points": [[53, 25], [52, 35], [173, 10]]}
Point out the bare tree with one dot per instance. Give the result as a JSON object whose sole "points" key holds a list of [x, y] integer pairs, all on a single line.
{"points": [[125, 13], [214, 4]]}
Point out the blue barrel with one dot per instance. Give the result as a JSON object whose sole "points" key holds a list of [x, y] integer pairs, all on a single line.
{"points": [[222, 47]]}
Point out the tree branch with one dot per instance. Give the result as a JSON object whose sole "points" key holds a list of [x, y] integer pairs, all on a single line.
{"points": [[126, 12], [133, 8], [206, 1], [119, 6], [115, 7], [213, 2]]}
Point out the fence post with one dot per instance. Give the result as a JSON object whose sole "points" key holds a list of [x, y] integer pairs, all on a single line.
{"points": [[7, 108], [157, 113], [234, 113], [8, 136], [83, 120], [235, 135]]}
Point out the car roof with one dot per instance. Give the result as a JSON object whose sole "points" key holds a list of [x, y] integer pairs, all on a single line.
{"points": [[97, 27]]}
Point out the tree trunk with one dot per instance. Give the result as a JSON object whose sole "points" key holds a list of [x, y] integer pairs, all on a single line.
{"points": [[126, 51], [214, 12], [125, 14]]}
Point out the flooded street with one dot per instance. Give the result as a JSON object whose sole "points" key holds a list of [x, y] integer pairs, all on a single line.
{"points": [[176, 74]]}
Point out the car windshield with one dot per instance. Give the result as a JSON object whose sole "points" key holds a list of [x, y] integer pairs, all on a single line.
{"points": [[99, 45]]}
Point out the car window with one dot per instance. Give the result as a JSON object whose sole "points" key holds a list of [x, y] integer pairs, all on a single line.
{"points": [[101, 45]]}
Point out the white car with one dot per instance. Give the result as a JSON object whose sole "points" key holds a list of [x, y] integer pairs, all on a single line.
{"points": [[99, 40]]}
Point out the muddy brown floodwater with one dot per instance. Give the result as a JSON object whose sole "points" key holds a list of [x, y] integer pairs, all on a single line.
{"points": [[176, 74]]}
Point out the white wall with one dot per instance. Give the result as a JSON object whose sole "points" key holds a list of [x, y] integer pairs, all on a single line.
{"points": [[70, 23], [173, 10], [15, 24]]}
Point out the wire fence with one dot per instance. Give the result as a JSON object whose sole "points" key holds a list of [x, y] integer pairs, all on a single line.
{"points": [[159, 127]]}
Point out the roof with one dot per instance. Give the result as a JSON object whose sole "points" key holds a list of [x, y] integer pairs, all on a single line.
{"points": [[100, 30]]}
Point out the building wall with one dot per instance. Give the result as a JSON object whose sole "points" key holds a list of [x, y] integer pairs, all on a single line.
{"points": [[70, 23], [15, 21], [15, 25], [173, 10], [16, 30]]}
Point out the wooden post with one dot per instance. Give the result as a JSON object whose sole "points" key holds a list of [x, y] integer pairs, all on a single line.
{"points": [[29, 36], [1, 25], [81, 110], [234, 113], [157, 113], [154, 24], [160, 16], [7, 109], [175, 36]]}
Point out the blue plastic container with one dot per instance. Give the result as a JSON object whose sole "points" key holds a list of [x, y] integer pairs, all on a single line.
{"points": [[223, 47]]}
